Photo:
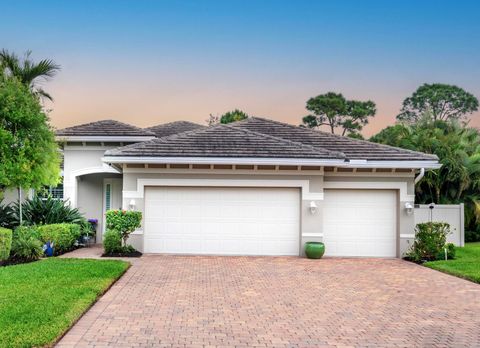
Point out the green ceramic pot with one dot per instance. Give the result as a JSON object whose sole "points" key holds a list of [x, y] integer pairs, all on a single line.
{"points": [[314, 250]]}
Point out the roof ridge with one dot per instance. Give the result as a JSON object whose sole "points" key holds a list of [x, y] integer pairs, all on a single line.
{"points": [[316, 149], [363, 141], [173, 122], [103, 121]]}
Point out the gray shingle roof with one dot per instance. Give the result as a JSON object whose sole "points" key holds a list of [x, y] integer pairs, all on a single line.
{"points": [[223, 141], [164, 130], [104, 128], [352, 148]]}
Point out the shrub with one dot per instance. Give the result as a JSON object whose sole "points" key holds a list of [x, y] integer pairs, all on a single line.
{"points": [[450, 252], [26, 245], [47, 211], [472, 236], [7, 216], [5, 243], [63, 236], [430, 241], [112, 242], [123, 221]]}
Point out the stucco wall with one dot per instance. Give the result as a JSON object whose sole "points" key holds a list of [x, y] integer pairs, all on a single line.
{"points": [[311, 225]]}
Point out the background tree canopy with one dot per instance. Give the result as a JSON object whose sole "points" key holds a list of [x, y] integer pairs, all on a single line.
{"points": [[28, 152], [439, 101], [333, 110], [233, 116], [458, 150]]}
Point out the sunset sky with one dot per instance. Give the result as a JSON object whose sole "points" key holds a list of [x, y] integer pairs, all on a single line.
{"points": [[150, 62]]}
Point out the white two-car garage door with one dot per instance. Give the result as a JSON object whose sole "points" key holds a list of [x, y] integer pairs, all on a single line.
{"points": [[360, 223], [222, 221]]}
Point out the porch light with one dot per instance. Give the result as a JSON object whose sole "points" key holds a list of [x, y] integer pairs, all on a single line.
{"points": [[313, 207], [409, 208], [132, 204]]}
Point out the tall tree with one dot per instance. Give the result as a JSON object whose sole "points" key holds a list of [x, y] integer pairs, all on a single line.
{"points": [[29, 155], [27, 71], [336, 112], [442, 102]]}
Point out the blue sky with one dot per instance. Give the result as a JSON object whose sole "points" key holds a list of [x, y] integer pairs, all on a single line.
{"points": [[148, 62]]}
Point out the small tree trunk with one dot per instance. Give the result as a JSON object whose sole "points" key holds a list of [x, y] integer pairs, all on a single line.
{"points": [[20, 205]]}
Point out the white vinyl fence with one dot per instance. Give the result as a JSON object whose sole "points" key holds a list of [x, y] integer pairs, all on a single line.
{"points": [[450, 213]]}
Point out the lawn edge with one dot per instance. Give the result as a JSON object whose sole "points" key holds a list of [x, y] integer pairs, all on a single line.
{"points": [[58, 339], [453, 274]]}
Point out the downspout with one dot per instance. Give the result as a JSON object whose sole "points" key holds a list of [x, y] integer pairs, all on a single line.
{"points": [[420, 175]]}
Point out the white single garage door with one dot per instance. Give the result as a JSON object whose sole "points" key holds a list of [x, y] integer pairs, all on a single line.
{"points": [[360, 223], [222, 221]]}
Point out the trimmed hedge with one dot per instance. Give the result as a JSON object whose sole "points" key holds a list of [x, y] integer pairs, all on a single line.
{"points": [[5, 243], [63, 236]]}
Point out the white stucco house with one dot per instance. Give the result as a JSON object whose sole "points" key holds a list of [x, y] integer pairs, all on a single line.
{"points": [[255, 187]]}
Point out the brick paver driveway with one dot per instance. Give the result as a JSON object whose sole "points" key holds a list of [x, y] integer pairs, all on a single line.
{"points": [[281, 302]]}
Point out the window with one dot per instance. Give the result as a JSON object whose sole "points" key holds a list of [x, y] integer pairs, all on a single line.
{"points": [[108, 194], [55, 192]]}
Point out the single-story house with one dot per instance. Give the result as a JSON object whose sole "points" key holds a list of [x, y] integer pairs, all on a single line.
{"points": [[254, 187]]}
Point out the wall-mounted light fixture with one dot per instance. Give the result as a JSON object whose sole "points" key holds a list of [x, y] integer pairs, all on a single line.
{"points": [[409, 208], [132, 205], [313, 207]]}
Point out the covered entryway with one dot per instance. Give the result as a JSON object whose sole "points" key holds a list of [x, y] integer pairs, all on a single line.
{"points": [[360, 223], [222, 220]]}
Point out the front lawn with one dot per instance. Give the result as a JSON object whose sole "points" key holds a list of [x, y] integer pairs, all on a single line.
{"points": [[39, 301], [466, 265]]}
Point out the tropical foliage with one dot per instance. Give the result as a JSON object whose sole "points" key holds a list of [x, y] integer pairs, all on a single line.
{"points": [[27, 71], [26, 245], [440, 101], [44, 211], [336, 112], [7, 216], [458, 150]]}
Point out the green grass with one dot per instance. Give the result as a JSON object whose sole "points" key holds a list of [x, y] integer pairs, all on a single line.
{"points": [[39, 301], [466, 264]]}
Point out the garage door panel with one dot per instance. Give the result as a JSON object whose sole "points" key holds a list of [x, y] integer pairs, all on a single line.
{"points": [[360, 223], [230, 221]]}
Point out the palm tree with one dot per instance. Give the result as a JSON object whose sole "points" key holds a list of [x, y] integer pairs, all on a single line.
{"points": [[27, 71]]}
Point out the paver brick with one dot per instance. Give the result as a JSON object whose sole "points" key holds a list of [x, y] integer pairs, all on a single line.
{"points": [[208, 301]]}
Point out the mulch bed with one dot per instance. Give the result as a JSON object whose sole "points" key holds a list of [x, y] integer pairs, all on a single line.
{"points": [[132, 254]]}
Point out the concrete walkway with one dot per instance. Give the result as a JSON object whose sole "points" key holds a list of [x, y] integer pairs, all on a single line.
{"points": [[193, 301]]}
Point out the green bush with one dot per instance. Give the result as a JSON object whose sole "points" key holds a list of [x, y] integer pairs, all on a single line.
{"points": [[430, 241], [63, 236], [47, 211], [26, 244], [5, 243], [450, 252], [123, 221], [112, 242]]}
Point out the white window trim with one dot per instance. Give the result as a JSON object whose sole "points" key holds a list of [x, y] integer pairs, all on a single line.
{"points": [[303, 184]]}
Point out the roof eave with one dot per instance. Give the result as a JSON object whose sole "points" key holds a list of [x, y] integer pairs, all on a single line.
{"points": [[427, 164]]}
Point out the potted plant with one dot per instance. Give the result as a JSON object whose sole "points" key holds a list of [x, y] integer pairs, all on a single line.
{"points": [[314, 250]]}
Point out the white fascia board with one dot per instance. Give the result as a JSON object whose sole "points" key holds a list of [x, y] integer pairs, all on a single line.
{"points": [[223, 160], [433, 164], [104, 138], [272, 161]]}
